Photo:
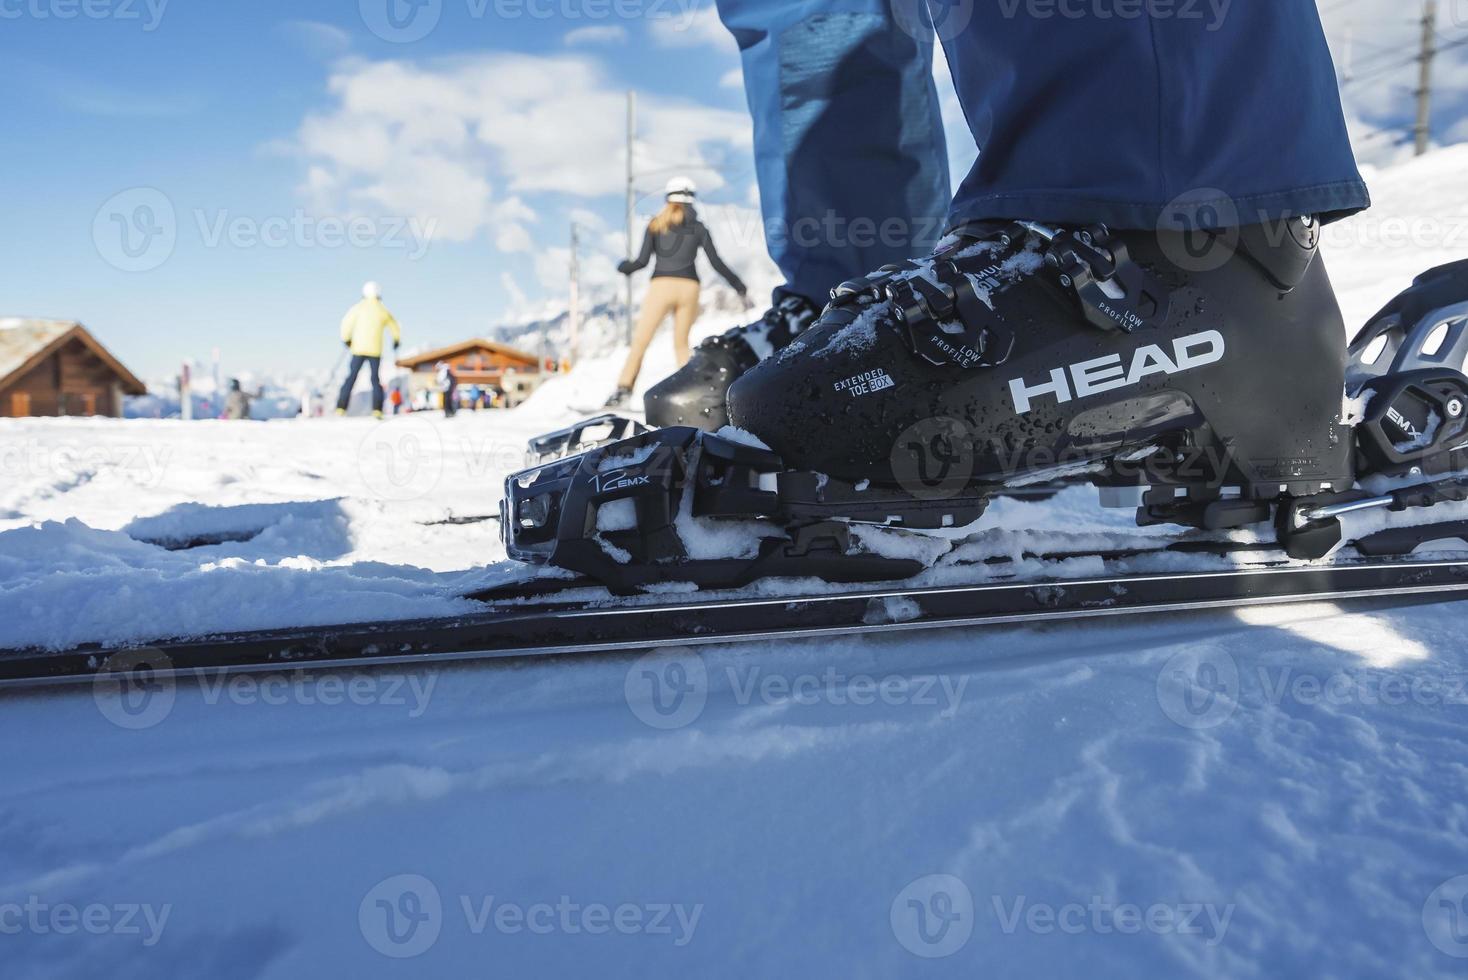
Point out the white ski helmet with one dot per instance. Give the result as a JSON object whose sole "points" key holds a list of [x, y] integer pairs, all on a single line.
{"points": [[680, 190], [372, 291]]}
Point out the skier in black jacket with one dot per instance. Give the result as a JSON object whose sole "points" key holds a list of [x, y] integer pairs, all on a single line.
{"points": [[676, 236]]}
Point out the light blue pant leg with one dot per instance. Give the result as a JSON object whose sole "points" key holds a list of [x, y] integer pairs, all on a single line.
{"points": [[848, 135]]}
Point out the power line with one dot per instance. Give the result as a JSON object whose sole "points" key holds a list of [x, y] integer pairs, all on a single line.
{"points": [[1398, 134], [1409, 53], [1383, 48], [1386, 52], [1403, 63], [1432, 43]]}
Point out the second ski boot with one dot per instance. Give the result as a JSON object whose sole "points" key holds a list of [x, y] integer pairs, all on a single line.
{"points": [[1019, 354], [695, 394]]}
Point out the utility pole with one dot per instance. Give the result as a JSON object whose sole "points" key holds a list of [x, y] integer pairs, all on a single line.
{"points": [[1424, 86], [631, 198], [575, 315]]}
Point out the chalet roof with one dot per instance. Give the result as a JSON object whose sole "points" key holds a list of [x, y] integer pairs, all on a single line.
{"points": [[476, 343], [24, 343]]}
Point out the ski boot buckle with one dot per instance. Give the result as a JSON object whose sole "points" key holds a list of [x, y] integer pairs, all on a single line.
{"points": [[1113, 291], [948, 322]]}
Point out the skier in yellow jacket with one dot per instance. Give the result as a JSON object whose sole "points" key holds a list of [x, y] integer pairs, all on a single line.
{"points": [[362, 330]]}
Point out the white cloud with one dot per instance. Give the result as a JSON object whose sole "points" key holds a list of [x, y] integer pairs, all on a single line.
{"points": [[508, 219], [513, 238], [596, 34], [733, 78], [739, 235], [693, 27], [553, 268], [588, 220], [518, 303], [614, 243], [514, 209], [317, 37], [438, 140]]}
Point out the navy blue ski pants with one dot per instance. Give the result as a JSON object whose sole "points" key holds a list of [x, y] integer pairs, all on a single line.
{"points": [[1083, 111], [373, 372]]}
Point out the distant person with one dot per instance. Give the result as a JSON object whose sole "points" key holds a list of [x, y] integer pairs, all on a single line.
{"points": [[236, 403], [448, 383], [362, 330], [476, 397], [396, 398], [676, 236]]}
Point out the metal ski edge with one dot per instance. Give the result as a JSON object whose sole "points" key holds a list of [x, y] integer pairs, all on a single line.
{"points": [[560, 632]]}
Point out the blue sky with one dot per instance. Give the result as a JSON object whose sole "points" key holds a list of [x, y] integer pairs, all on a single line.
{"points": [[341, 140]]}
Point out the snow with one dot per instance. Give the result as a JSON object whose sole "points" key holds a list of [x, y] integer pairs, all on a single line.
{"points": [[708, 539], [1268, 791], [1246, 775], [617, 515], [21, 339], [297, 521], [1354, 407], [1422, 439], [733, 434], [859, 335], [69, 584], [1418, 220]]}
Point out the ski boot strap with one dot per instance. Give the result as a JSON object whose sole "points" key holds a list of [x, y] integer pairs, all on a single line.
{"points": [[1094, 266]]}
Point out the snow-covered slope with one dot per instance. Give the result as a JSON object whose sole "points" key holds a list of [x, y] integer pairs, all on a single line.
{"points": [[1260, 793], [312, 521], [1418, 220], [1267, 794]]}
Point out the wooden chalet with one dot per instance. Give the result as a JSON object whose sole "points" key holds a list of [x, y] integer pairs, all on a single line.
{"points": [[56, 367], [485, 363]]}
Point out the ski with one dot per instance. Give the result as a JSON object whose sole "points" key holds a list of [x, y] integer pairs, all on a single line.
{"points": [[543, 625]]}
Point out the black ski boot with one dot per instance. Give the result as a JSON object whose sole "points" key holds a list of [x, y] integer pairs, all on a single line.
{"points": [[1019, 353], [1202, 386], [695, 394]]}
